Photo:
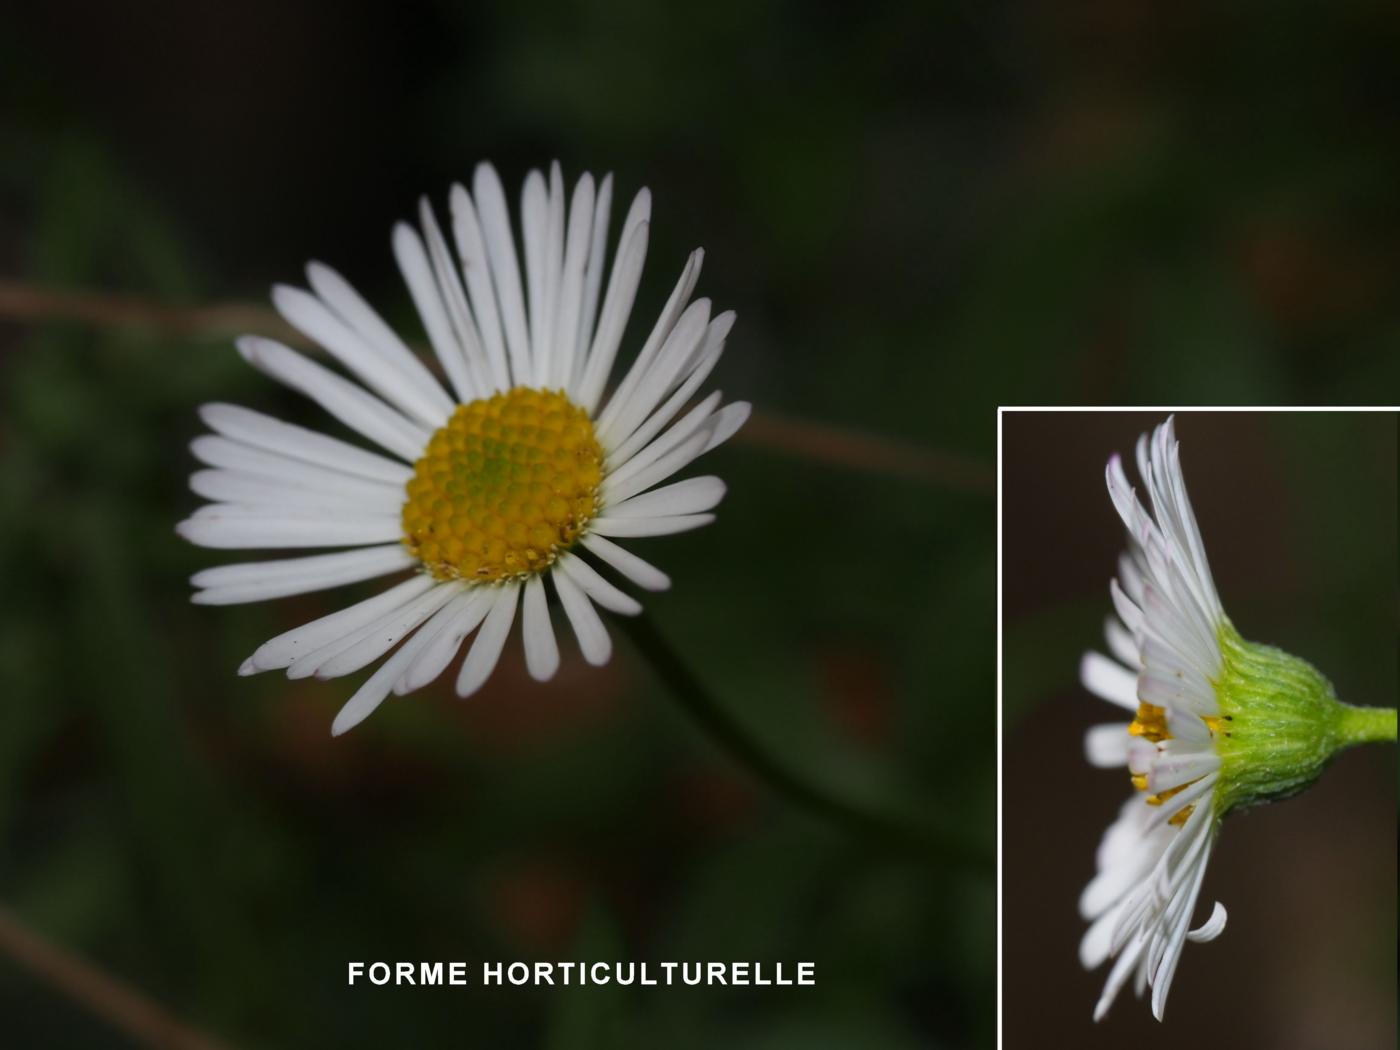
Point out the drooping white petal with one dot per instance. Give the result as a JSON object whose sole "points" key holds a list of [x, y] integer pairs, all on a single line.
{"points": [[1212, 927], [286, 647], [345, 655], [597, 588], [458, 619], [370, 695], [588, 627], [541, 649], [490, 640]]}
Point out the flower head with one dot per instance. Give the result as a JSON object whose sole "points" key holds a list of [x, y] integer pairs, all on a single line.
{"points": [[518, 470], [1216, 724]]}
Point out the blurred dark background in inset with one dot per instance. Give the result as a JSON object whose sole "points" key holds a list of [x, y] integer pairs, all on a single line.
{"points": [[1298, 515], [918, 211]]}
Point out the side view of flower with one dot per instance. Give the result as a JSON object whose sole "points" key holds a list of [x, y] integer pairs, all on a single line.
{"points": [[523, 468], [1216, 724]]}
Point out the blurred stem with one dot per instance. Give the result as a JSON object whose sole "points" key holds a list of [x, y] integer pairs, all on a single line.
{"points": [[124, 1008], [892, 831], [806, 439]]}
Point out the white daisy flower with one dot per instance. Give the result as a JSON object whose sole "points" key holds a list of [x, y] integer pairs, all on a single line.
{"points": [[1218, 724], [1166, 638], [518, 471]]}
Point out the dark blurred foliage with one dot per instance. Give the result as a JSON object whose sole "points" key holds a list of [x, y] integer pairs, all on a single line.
{"points": [[919, 211], [1298, 515]]}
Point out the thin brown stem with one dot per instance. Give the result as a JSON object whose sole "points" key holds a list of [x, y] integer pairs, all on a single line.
{"points": [[112, 310], [786, 435], [104, 996]]}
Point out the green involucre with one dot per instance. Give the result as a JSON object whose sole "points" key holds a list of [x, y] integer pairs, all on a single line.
{"points": [[1281, 723]]}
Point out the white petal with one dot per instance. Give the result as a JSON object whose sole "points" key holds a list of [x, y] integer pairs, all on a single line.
{"points": [[1120, 643], [593, 276], [490, 640], [670, 313], [458, 619], [1109, 680], [727, 423], [229, 526], [505, 270], [370, 695], [617, 305], [614, 491], [256, 581], [1106, 746], [458, 311], [386, 376], [534, 232], [640, 572], [588, 627], [285, 439], [709, 357], [1212, 927], [570, 307], [471, 247], [696, 421], [692, 496], [418, 274], [354, 496], [541, 649], [658, 379], [366, 323], [649, 526], [347, 655], [286, 647], [597, 588], [348, 403], [233, 455], [1172, 770]]}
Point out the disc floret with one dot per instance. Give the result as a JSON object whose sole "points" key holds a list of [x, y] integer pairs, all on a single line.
{"points": [[508, 484]]}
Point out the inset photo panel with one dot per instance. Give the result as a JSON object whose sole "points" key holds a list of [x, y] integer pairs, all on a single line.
{"points": [[1198, 772]]}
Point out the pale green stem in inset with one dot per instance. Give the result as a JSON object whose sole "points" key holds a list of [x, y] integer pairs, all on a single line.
{"points": [[1365, 725]]}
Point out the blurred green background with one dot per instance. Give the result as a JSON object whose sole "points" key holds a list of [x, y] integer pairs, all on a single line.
{"points": [[1298, 515], [918, 211]]}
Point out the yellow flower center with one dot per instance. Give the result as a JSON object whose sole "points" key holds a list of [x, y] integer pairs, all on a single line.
{"points": [[505, 486], [1151, 724]]}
